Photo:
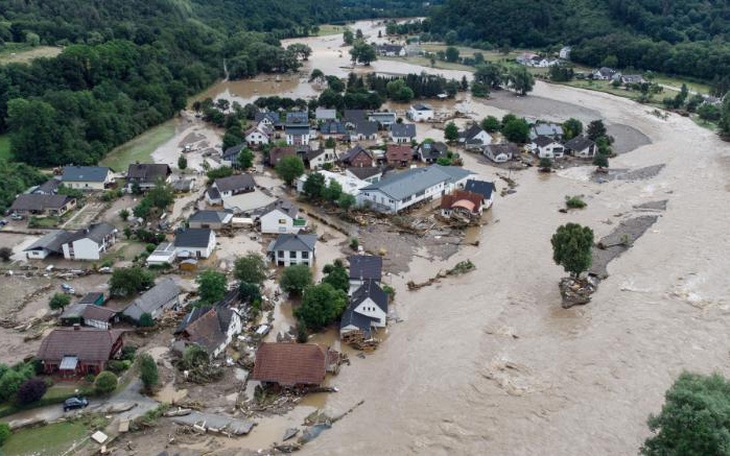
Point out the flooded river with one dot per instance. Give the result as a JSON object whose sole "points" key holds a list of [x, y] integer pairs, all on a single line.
{"points": [[489, 363]]}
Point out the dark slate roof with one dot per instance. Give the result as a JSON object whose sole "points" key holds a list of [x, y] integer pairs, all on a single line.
{"points": [[542, 141], [333, 127], [297, 118], [192, 237], [88, 344], [355, 115], [370, 289], [353, 152], [51, 242], [482, 188], [296, 130], [471, 132], [153, 299], [390, 48], [148, 172], [579, 143], [96, 232], [89, 311], [91, 298], [48, 187], [235, 182], [506, 148], [433, 150], [209, 216], [403, 130], [37, 202], [231, 154], [284, 206], [272, 116], [360, 321], [85, 173], [422, 107], [366, 267], [294, 243], [213, 193], [366, 128], [365, 172]]}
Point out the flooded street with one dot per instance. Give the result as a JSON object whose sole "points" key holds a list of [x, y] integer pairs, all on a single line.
{"points": [[488, 362]]}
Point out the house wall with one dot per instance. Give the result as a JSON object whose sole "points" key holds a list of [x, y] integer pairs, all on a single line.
{"points": [[297, 140], [277, 222], [418, 116], [37, 254], [361, 160], [96, 323], [287, 258], [234, 329], [369, 308], [257, 138], [211, 225], [82, 249], [328, 156], [85, 185]]}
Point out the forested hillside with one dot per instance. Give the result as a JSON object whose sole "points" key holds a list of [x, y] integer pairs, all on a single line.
{"points": [[687, 38]]}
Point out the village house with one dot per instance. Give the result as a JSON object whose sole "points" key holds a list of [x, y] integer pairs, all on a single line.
{"points": [[564, 53], [318, 158], [501, 153], [163, 296], [49, 187], [606, 74], [87, 177], [551, 130], [183, 185], [402, 133], [350, 185], [364, 268], [146, 175], [545, 147], [297, 135], [324, 114], [270, 119], [90, 243], [474, 137], [483, 188], [368, 309], [229, 157], [370, 174], [194, 242], [384, 118], [291, 249], [259, 135], [297, 118], [93, 298], [628, 79], [165, 253], [402, 190], [227, 187], [215, 220], [211, 327], [430, 152], [461, 205], [74, 352], [42, 205], [581, 147], [391, 50], [333, 129], [420, 112], [293, 365], [89, 315], [398, 156], [281, 217], [365, 131], [527, 58], [49, 244], [358, 156]]}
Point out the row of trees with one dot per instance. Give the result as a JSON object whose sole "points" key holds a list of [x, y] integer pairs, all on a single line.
{"points": [[413, 85], [491, 75]]}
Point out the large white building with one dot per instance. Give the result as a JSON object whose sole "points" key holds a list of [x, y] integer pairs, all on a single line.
{"points": [[349, 183], [194, 243], [420, 112], [291, 249], [400, 191]]}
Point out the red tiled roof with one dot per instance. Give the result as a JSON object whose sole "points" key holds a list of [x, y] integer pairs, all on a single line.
{"points": [[291, 364], [399, 153], [88, 344], [461, 197]]}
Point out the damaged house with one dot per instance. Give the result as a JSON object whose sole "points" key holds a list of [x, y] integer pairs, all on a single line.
{"points": [[293, 365]]}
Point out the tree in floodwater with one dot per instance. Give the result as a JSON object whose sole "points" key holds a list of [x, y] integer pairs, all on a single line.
{"points": [[572, 244]]}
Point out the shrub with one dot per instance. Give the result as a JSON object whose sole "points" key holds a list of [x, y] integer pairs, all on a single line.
{"points": [[4, 433], [31, 391], [105, 382], [575, 202], [354, 244], [6, 253], [117, 366], [146, 320], [128, 352], [148, 372]]}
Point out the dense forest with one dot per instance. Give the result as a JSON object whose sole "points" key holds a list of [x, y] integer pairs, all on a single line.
{"points": [[690, 38]]}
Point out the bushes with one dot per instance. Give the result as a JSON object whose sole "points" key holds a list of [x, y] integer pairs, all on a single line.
{"points": [[31, 391], [148, 372], [105, 382], [12, 377], [119, 366], [575, 202], [4, 433], [146, 320]]}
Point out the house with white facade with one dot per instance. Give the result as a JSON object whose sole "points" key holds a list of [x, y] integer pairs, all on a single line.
{"points": [[194, 242], [259, 135], [281, 217], [546, 147], [501, 153], [163, 296], [402, 133], [291, 249], [484, 189], [212, 327], [89, 315], [367, 311], [147, 175], [49, 244], [268, 118], [214, 220], [400, 191], [297, 135], [87, 177], [364, 268], [474, 137], [227, 187], [564, 53], [165, 253], [90, 243], [581, 147], [318, 158], [420, 112], [391, 50], [370, 174], [551, 130], [384, 118], [349, 183]]}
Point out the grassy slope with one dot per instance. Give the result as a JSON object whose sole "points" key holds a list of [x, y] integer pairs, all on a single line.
{"points": [[48, 440], [23, 53], [140, 148]]}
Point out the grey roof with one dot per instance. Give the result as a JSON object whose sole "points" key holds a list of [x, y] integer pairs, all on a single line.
{"points": [[366, 267], [579, 143], [483, 188], [148, 172], [366, 128], [294, 243], [37, 202], [273, 117], [85, 173], [89, 311], [471, 132], [433, 150], [333, 127], [213, 193], [371, 290], [422, 107], [390, 48], [51, 242], [231, 153], [606, 72], [48, 187], [297, 118], [325, 114], [378, 116], [210, 216], [360, 321], [542, 141], [96, 232], [547, 129], [355, 115], [235, 182], [155, 298], [403, 130], [297, 130], [401, 185], [192, 237], [365, 172], [284, 206]]}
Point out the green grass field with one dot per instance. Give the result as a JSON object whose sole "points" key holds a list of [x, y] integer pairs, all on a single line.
{"points": [[5, 147], [140, 148], [24, 53], [50, 440], [329, 29]]}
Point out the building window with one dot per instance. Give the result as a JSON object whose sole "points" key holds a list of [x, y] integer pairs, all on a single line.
{"points": [[282, 221], [292, 254], [305, 255]]}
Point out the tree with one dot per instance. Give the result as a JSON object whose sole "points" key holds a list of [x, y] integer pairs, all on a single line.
{"points": [[451, 132], [313, 186], [596, 129], [148, 373], [5, 433], [346, 201], [725, 117], [127, 282], [6, 253], [336, 275], [290, 168], [450, 37], [522, 80], [321, 305], [491, 124], [572, 244], [516, 130], [295, 279], [300, 50], [316, 74], [212, 286], [249, 292], [146, 320], [490, 74], [161, 195], [709, 112], [332, 191], [362, 52], [219, 173], [31, 391], [59, 301], [105, 382], [182, 163], [245, 158], [348, 37], [545, 165], [601, 161], [694, 420], [451, 54], [572, 128], [250, 269]]}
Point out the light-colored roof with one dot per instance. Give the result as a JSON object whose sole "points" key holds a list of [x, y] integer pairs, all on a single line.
{"points": [[155, 298], [401, 185]]}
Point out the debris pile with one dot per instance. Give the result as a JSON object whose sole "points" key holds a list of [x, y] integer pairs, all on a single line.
{"points": [[577, 292], [461, 268]]}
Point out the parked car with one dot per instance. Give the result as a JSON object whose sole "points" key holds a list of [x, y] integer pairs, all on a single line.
{"points": [[3, 222], [15, 216], [75, 402], [68, 288]]}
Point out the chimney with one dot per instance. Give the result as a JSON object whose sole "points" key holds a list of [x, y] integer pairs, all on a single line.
{"points": [[77, 327]]}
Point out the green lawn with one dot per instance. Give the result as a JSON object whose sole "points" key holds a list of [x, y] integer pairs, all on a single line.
{"points": [[50, 440], [329, 29], [423, 61], [5, 147], [24, 53], [140, 148]]}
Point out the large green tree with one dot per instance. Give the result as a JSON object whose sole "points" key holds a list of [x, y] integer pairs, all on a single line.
{"points": [[250, 268], [313, 186], [127, 282], [695, 418], [336, 275], [212, 286], [59, 301], [521, 80], [148, 372], [321, 305], [290, 168], [572, 244], [294, 279], [363, 52]]}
